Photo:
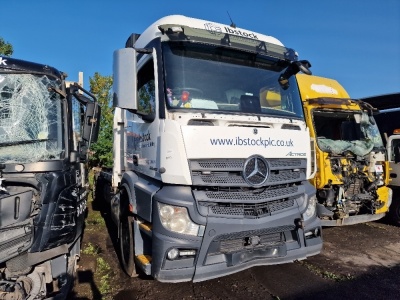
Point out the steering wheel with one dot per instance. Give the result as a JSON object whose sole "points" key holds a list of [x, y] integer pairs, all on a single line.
{"points": [[195, 91]]}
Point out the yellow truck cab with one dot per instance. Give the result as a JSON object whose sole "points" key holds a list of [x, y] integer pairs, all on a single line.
{"points": [[351, 169]]}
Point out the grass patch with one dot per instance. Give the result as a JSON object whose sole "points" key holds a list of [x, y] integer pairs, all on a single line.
{"points": [[326, 274], [91, 249], [95, 222], [95, 218], [91, 178], [103, 273]]}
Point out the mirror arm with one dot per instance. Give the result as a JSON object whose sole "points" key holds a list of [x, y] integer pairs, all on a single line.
{"points": [[294, 68]]}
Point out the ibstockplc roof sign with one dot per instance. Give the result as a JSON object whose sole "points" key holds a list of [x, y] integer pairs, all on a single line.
{"points": [[217, 29]]}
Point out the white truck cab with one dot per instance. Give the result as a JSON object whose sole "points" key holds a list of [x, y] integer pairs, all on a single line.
{"points": [[211, 152]]}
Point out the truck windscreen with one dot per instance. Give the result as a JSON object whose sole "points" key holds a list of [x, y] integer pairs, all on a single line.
{"points": [[340, 131], [30, 119], [205, 77]]}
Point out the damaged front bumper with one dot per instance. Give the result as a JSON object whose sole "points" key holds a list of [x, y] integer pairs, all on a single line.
{"points": [[227, 248]]}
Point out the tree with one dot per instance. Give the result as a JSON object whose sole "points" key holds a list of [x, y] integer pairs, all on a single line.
{"points": [[101, 86], [5, 48]]}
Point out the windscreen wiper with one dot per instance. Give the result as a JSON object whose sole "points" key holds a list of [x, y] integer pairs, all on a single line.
{"points": [[23, 142]]}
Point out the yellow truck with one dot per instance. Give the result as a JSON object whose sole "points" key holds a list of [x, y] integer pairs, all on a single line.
{"points": [[351, 171]]}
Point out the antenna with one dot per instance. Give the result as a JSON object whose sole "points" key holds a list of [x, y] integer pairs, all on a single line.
{"points": [[232, 24]]}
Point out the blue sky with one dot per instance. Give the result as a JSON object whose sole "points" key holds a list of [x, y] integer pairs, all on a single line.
{"points": [[355, 42]]}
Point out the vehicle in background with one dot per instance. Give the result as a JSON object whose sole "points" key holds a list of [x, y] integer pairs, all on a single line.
{"points": [[45, 133], [211, 153], [351, 169], [388, 119]]}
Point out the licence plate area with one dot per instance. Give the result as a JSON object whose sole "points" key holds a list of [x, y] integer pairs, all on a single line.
{"points": [[239, 247], [242, 257], [250, 243]]}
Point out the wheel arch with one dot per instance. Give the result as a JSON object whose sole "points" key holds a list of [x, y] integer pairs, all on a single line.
{"points": [[128, 183]]}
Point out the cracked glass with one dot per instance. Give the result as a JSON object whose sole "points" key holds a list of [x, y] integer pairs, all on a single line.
{"points": [[30, 119]]}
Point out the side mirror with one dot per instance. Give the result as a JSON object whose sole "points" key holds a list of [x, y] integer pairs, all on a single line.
{"points": [[294, 68], [124, 79], [92, 122]]}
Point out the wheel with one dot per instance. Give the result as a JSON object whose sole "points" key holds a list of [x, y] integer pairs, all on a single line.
{"points": [[126, 244], [394, 212]]}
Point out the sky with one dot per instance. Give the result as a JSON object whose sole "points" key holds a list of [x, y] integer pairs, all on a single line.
{"points": [[354, 42]]}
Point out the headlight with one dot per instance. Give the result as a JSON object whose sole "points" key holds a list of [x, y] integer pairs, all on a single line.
{"points": [[176, 219], [310, 211], [379, 167]]}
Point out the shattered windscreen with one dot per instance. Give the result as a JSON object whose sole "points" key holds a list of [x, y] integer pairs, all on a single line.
{"points": [[30, 119], [342, 131]]}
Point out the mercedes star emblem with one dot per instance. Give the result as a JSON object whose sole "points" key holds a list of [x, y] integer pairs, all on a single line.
{"points": [[256, 170]]}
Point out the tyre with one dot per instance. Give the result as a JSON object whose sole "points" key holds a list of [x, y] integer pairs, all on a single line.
{"points": [[394, 212], [126, 244]]}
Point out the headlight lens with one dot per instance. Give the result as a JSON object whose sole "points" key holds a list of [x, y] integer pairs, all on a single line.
{"points": [[310, 211], [176, 219]]}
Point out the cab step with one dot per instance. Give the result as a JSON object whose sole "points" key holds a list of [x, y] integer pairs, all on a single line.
{"points": [[143, 261]]}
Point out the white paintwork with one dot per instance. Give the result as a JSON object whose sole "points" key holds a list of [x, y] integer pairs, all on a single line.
{"points": [[169, 144], [324, 89], [394, 167], [152, 31], [211, 141]]}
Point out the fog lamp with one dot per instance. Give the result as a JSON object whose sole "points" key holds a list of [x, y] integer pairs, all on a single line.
{"points": [[172, 254]]}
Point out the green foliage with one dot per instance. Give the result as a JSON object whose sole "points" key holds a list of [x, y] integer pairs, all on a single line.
{"points": [[5, 48], [96, 219], [104, 272], [146, 97], [101, 86], [91, 249]]}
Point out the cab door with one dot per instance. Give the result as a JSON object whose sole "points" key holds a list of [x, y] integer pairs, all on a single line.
{"points": [[393, 149]]}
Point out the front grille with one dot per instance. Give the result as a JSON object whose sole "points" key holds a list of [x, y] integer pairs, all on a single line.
{"points": [[228, 172], [268, 240], [250, 210], [239, 241], [279, 163], [237, 164], [15, 240], [247, 203], [221, 164], [246, 195]]}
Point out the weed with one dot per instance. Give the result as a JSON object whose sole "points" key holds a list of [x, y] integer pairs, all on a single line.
{"points": [[326, 274], [91, 178], [91, 249], [102, 265], [103, 272], [95, 218]]}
